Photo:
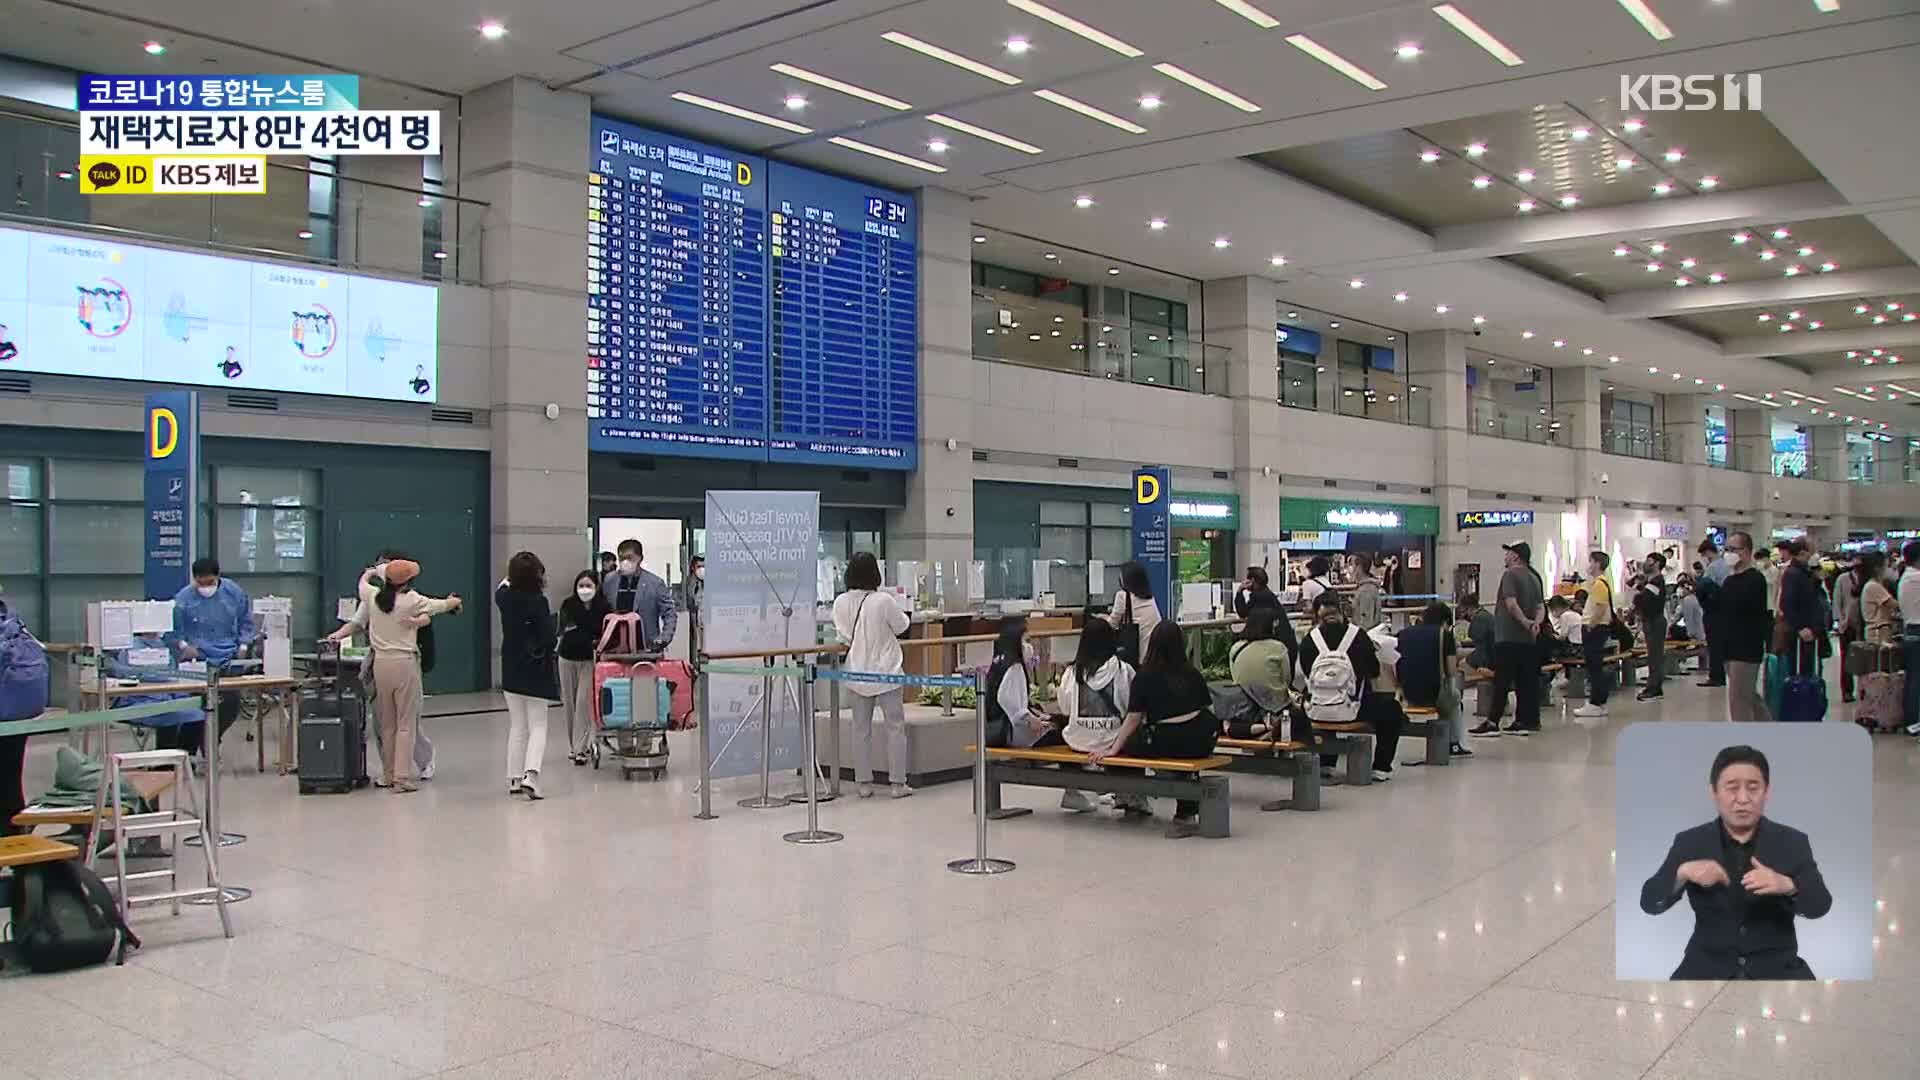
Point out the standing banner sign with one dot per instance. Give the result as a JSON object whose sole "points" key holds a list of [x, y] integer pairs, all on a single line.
{"points": [[1153, 532], [763, 550], [172, 452]]}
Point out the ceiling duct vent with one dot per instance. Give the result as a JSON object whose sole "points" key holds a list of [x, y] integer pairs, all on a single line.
{"points": [[1329, 483], [453, 416], [981, 455], [1222, 474], [15, 384], [254, 402], [1067, 462]]}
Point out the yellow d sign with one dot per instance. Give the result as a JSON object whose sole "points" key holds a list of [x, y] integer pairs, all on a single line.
{"points": [[1146, 489], [743, 173], [158, 450]]}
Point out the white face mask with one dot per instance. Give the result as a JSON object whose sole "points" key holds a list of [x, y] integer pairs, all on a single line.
{"points": [[207, 590], [701, 573], [629, 566], [585, 593]]}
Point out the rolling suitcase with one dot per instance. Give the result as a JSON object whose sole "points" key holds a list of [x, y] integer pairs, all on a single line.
{"points": [[1803, 699], [1882, 692], [333, 729]]}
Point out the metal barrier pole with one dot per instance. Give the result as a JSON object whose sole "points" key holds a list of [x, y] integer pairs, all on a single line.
{"points": [[210, 743], [949, 660], [813, 833], [980, 864], [833, 735], [702, 689], [765, 800]]}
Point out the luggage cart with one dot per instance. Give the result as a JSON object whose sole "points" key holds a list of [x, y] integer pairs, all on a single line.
{"points": [[631, 715]]}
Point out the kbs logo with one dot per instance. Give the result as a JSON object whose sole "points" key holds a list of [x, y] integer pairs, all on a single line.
{"points": [[1689, 93]]}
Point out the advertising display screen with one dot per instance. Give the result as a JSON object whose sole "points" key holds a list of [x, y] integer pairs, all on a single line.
{"points": [[746, 309], [79, 305]]}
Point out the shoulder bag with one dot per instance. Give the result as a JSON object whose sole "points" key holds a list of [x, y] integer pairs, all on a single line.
{"points": [[1126, 644]]}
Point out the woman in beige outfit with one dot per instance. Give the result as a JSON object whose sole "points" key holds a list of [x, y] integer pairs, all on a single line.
{"points": [[394, 615]]}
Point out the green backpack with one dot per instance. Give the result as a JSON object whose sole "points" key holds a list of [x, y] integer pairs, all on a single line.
{"points": [[64, 917]]}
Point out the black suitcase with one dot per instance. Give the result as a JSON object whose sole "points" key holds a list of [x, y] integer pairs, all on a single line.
{"points": [[333, 729]]}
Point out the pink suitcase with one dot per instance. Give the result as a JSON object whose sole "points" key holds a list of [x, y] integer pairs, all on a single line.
{"points": [[1882, 701]]}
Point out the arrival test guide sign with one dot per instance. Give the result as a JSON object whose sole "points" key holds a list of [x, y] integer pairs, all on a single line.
{"points": [[763, 548], [172, 452], [1153, 533]]}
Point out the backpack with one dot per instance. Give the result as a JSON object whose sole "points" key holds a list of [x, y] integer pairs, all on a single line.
{"points": [[23, 670], [64, 918], [1333, 688]]}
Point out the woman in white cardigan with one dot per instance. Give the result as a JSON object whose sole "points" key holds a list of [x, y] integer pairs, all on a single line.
{"points": [[869, 623]]}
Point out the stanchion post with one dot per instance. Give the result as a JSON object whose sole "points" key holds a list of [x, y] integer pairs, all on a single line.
{"points": [[210, 743], [765, 800], [833, 733], [980, 863], [702, 686], [813, 833]]}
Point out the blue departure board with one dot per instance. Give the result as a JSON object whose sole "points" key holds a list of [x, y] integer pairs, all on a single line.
{"points": [[676, 296], [843, 319], [744, 309]]}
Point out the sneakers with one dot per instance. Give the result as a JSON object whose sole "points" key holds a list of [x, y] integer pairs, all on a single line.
{"points": [[1183, 828], [513, 784], [1456, 750], [1075, 801], [530, 786], [1590, 710], [1648, 695], [1913, 729], [1133, 806], [405, 788], [1711, 682], [901, 791], [1486, 730], [427, 773], [1381, 776], [1520, 732], [865, 790]]}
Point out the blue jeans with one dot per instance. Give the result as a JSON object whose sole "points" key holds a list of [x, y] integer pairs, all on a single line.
{"points": [[1912, 651]]}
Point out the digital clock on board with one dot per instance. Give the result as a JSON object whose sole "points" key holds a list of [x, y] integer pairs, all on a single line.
{"points": [[886, 209]]}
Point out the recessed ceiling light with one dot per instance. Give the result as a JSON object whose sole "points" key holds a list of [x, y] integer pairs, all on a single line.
{"points": [[1879, 319], [1526, 335], [744, 114], [1708, 183], [1805, 251], [1633, 126], [1407, 51], [1781, 234], [1622, 164], [1157, 223], [65, 174], [1150, 102], [1083, 201], [1074, 26], [1791, 315], [946, 56], [1212, 90], [1588, 351], [1479, 320], [1050, 256], [1792, 271], [439, 254], [1441, 309], [1278, 260], [1663, 188], [1579, 134], [887, 155], [1250, 13], [1716, 277], [1741, 238], [838, 86], [1475, 149], [1763, 317], [1334, 60], [1683, 281], [1648, 21], [1569, 200], [423, 201], [979, 239], [1613, 359], [1814, 324], [1651, 370], [1769, 255], [1222, 242], [492, 31], [1333, 325], [1113, 271], [1399, 298], [1653, 268], [1293, 314], [1893, 305], [1526, 206], [1826, 6], [1657, 248], [305, 234], [1621, 251], [1719, 386], [794, 102], [1018, 45], [1525, 176], [1699, 382], [1087, 110], [979, 132], [938, 146], [1675, 154], [1558, 343], [154, 48], [1687, 264], [1828, 267], [1357, 283], [1472, 31], [1909, 317], [1483, 182], [1429, 156]]}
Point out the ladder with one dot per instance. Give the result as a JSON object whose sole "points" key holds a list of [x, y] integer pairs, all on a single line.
{"points": [[170, 823]]}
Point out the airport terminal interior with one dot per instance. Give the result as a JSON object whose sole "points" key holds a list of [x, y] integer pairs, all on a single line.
{"points": [[714, 354]]}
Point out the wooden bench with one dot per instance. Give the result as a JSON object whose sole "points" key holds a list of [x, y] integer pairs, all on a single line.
{"points": [[1064, 767], [26, 849], [1424, 721], [1576, 669], [149, 785], [1353, 741], [1484, 677], [1277, 758]]}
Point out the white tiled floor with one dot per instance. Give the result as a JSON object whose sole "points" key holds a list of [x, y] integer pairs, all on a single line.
{"points": [[1453, 923]]}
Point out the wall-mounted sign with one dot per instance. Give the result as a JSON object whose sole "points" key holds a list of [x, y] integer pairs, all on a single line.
{"points": [[1153, 527], [1350, 517], [1295, 339], [1903, 534], [1321, 514], [1673, 530], [1309, 540], [1207, 509], [1493, 519], [1649, 529]]}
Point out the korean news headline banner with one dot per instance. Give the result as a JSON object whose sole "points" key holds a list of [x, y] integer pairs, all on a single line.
{"points": [[82, 305], [219, 93], [763, 550], [311, 115], [172, 452]]}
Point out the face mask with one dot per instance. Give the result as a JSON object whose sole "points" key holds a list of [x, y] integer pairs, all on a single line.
{"points": [[701, 573], [207, 590], [585, 593], [629, 567]]}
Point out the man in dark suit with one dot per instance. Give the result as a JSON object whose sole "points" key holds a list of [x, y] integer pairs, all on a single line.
{"points": [[1746, 878]]}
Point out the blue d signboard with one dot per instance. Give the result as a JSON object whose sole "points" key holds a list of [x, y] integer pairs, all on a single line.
{"points": [[1153, 531], [172, 452]]}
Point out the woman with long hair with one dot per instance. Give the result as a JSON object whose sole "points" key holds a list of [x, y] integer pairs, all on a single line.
{"points": [[1170, 715], [395, 614], [582, 616], [1094, 694], [869, 623], [528, 674], [1135, 612], [1012, 719]]}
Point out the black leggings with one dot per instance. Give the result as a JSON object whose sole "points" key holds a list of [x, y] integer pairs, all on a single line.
{"points": [[1191, 739]]}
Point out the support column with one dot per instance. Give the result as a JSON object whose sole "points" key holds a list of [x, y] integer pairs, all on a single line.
{"points": [[1241, 314], [1827, 452], [382, 224], [526, 156], [1576, 402], [1889, 461], [1750, 439], [936, 525], [1686, 428], [1437, 360]]}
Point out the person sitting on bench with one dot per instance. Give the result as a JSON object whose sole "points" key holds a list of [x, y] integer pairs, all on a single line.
{"points": [[1094, 695], [1380, 712], [1012, 719], [1170, 715], [1429, 660], [1261, 662]]}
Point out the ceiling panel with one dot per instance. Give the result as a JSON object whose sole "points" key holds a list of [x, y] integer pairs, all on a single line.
{"points": [[1848, 314]]}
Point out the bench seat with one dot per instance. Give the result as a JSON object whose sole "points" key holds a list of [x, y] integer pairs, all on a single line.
{"points": [[1065, 767], [1279, 758], [26, 850], [150, 785]]}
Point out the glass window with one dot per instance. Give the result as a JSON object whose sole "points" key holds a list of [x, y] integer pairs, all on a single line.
{"points": [[1113, 546], [23, 479], [1063, 513], [114, 481], [281, 487], [97, 539], [20, 538], [303, 590], [68, 598], [1064, 543], [1299, 381], [266, 540], [1112, 514]]}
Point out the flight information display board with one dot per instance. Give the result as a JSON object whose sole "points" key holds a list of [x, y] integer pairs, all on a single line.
{"points": [[747, 310]]}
